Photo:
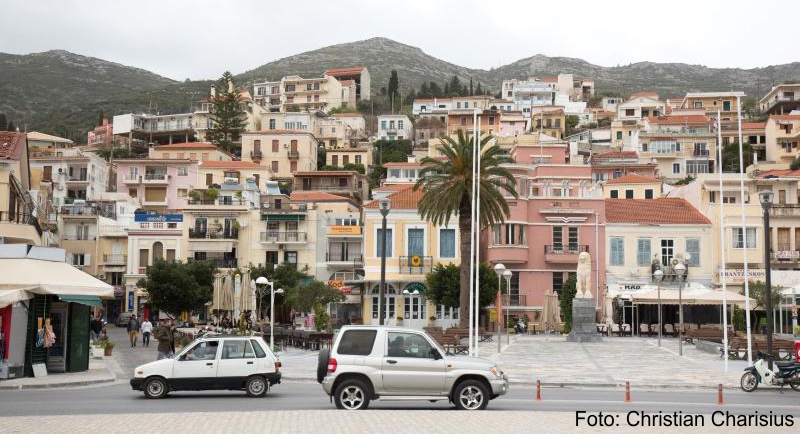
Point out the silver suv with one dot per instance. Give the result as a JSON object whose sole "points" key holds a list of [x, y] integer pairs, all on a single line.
{"points": [[395, 363]]}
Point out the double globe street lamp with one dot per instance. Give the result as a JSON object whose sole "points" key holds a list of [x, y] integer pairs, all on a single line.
{"points": [[272, 291], [766, 197]]}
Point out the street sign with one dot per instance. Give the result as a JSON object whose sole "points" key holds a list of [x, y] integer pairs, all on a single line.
{"points": [[493, 315]]}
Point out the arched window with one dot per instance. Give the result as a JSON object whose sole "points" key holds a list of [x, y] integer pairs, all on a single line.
{"points": [[158, 251]]}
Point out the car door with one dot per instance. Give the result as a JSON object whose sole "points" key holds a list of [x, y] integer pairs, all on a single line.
{"points": [[411, 365], [237, 361], [196, 368]]}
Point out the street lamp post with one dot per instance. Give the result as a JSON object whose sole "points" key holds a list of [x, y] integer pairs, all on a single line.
{"points": [[766, 197], [499, 269], [657, 276], [507, 275], [385, 205], [272, 291], [680, 270]]}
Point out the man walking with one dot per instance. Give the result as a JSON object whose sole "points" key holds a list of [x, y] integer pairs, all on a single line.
{"points": [[96, 327], [147, 328], [133, 329], [165, 334]]}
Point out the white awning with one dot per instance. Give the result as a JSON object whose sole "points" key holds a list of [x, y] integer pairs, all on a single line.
{"points": [[689, 297], [37, 276]]}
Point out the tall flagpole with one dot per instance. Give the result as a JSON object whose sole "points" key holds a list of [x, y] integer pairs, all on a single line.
{"points": [[477, 233], [472, 238], [744, 236], [722, 275]]}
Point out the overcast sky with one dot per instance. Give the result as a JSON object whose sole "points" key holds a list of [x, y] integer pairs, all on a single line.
{"points": [[202, 38]]}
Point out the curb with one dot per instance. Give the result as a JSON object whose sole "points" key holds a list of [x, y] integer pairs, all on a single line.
{"points": [[58, 385]]}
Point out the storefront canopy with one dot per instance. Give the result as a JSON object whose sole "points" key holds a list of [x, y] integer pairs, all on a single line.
{"points": [[22, 278], [689, 297]]}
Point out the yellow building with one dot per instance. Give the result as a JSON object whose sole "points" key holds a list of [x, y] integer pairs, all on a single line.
{"points": [[19, 222], [413, 247], [284, 152], [712, 102], [195, 151], [632, 186], [550, 121], [237, 172], [782, 138], [344, 156]]}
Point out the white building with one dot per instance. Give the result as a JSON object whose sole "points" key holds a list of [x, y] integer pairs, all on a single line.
{"points": [[394, 127]]}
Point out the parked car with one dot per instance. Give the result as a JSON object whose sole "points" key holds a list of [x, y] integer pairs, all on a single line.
{"points": [[123, 319], [393, 363], [212, 362]]}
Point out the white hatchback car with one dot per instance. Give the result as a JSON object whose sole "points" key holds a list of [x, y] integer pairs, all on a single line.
{"points": [[212, 362]]}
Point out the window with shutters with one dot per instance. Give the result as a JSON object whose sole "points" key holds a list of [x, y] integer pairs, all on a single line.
{"points": [[643, 252], [617, 251], [693, 250]]}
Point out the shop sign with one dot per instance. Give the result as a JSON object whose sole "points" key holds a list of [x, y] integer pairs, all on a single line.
{"points": [[336, 283], [736, 275], [130, 301], [344, 230], [169, 218]]}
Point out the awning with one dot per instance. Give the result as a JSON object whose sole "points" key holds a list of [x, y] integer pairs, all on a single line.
{"points": [[39, 276], [88, 300], [689, 297], [11, 296], [283, 217]]}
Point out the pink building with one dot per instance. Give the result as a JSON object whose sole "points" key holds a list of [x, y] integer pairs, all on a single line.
{"points": [[158, 184], [559, 214], [512, 124], [101, 136]]}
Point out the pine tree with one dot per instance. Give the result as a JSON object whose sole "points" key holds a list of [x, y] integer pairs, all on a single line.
{"points": [[424, 92], [435, 90], [394, 84], [471, 91], [3, 122], [228, 117], [455, 87], [100, 118], [11, 126], [447, 89], [478, 90]]}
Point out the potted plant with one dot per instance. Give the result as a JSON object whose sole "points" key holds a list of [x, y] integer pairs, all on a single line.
{"points": [[98, 350], [194, 195], [107, 346], [399, 319], [432, 320], [212, 194]]}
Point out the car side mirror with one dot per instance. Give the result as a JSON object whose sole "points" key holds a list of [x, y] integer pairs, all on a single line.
{"points": [[182, 358], [435, 354]]}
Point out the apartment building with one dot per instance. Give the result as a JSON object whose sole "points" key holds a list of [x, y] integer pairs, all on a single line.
{"points": [[610, 103], [359, 76], [19, 218], [549, 120], [782, 134], [142, 129], [753, 133], [333, 133], [195, 151], [297, 94], [429, 128], [526, 94], [611, 165], [115, 216], [489, 121], [413, 247], [286, 232], [395, 127], [781, 99], [680, 145], [290, 121], [78, 226], [40, 141], [344, 156], [403, 172], [512, 124], [77, 176], [102, 136], [355, 122], [560, 214], [284, 152], [428, 106], [157, 184], [345, 183], [151, 237], [713, 102], [633, 186], [237, 172]]}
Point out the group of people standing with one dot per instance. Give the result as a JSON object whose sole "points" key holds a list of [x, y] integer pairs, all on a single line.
{"points": [[135, 326], [164, 334]]}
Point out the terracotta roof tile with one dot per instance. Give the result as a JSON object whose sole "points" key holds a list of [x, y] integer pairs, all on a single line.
{"points": [[316, 196], [35, 135], [406, 198], [12, 145], [323, 173], [633, 178], [785, 117], [403, 164], [275, 132], [778, 173], [617, 154], [187, 145], [229, 164], [654, 211], [754, 125], [344, 71], [679, 119]]}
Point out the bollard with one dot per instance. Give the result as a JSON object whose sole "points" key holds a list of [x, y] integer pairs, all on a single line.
{"points": [[627, 391], [720, 400], [538, 390]]}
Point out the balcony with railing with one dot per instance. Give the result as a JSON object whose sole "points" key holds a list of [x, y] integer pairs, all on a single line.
{"points": [[156, 178], [784, 255], [788, 102], [256, 155], [564, 253], [700, 153], [213, 234], [115, 259], [416, 264], [223, 201], [283, 237], [507, 253], [78, 237], [785, 210], [391, 131], [218, 261], [77, 179], [132, 179], [514, 300], [338, 258], [77, 211], [293, 155], [282, 207]]}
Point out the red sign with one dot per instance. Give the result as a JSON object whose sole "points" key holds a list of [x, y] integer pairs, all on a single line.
{"points": [[345, 290]]}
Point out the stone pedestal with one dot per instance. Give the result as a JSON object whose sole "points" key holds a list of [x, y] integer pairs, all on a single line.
{"points": [[584, 323]]}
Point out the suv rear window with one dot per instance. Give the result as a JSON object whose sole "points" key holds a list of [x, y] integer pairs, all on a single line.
{"points": [[357, 342]]}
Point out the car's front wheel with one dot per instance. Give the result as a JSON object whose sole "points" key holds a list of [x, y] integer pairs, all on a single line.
{"points": [[351, 395], [471, 395], [156, 388], [256, 386]]}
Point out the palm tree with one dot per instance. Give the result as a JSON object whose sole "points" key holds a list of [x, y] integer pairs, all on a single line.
{"points": [[447, 190]]}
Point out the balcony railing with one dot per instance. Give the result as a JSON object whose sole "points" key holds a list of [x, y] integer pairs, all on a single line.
{"points": [[255, 155], [273, 207], [219, 262], [131, 179], [700, 153], [208, 234], [155, 177], [77, 210], [74, 237], [785, 255], [293, 155], [283, 237], [77, 179], [115, 259], [225, 200], [565, 249], [416, 264], [391, 131], [792, 210], [514, 300]]}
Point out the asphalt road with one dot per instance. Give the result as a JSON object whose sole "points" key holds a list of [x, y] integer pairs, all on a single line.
{"points": [[119, 398]]}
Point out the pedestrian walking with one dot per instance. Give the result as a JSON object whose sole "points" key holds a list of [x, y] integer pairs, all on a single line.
{"points": [[95, 328], [165, 335], [147, 329], [133, 329]]}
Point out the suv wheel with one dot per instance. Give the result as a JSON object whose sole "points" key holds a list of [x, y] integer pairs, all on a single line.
{"points": [[352, 395], [471, 395], [155, 388], [322, 364], [256, 386]]}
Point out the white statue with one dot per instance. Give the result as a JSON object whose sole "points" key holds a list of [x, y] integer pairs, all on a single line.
{"points": [[584, 275]]}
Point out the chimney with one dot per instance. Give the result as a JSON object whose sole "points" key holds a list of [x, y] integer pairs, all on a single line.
{"points": [[213, 91]]}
